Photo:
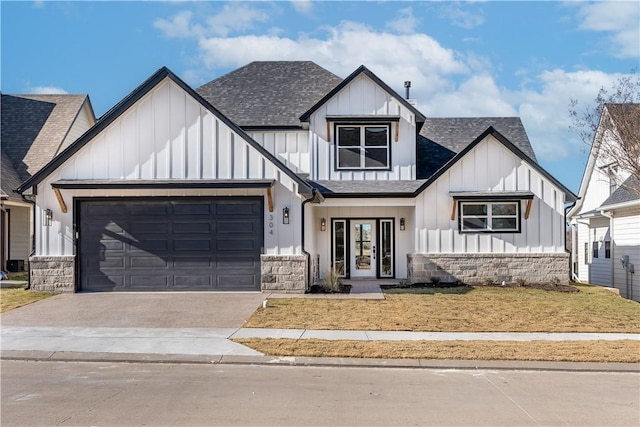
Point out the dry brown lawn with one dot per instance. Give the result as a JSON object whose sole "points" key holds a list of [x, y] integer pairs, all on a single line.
{"points": [[479, 309], [11, 298], [569, 351]]}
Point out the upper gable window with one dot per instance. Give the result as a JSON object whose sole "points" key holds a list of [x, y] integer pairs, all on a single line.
{"points": [[363, 147]]}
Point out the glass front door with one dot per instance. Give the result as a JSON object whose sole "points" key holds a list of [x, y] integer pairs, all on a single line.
{"points": [[363, 248]]}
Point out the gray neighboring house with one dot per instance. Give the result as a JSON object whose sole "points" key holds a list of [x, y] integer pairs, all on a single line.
{"points": [[270, 176], [35, 128]]}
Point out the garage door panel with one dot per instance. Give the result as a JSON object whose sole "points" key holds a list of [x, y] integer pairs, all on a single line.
{"points": [[232, 227], [191, 227], [195, 209], [200, 243], [238, 208]]}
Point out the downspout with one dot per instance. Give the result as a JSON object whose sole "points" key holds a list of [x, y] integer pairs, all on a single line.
{"points": [[314, 197], [610, 216], [33, 235], [573, 252]]}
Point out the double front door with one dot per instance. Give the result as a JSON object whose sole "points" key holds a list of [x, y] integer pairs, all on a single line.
{"points": [[363, 247]]}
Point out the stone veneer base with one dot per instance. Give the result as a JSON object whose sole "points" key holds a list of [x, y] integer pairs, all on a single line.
{"points": [[480, 268], [284, 273], [52, 273]]}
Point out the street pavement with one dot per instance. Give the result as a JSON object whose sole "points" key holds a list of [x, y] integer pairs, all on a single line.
{"points": [[107, 393]]}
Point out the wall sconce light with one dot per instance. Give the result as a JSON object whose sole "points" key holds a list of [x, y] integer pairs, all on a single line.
{"points": [[285, 216], [48, 218], [323, 224], [402, 224]]}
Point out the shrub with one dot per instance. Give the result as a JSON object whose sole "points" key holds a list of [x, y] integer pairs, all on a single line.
{"points": [[435, 281], [555, 281], [521, 282], [332, 280], [489, 281]]}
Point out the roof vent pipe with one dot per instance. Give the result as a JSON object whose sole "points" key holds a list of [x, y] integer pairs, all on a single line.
{"points": [[407, 86]]}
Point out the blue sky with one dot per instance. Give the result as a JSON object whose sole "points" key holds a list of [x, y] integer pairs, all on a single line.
{"points": [[526, 59]]}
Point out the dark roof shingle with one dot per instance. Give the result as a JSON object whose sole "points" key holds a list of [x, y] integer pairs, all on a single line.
{"points": [[440, 139], [269, 93], [629, 191]]}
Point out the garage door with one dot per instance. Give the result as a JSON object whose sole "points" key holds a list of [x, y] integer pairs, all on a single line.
{"points": [[176, 244]]}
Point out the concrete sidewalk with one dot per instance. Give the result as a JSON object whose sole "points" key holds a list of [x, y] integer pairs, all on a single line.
{"points": [[214, 345]]}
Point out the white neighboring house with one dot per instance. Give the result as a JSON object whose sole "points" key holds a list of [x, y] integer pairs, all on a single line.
{"points": [[268, 177], [605, 221]]}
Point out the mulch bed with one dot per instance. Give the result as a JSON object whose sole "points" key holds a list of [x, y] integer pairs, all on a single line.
{"points": [[320, 289]]}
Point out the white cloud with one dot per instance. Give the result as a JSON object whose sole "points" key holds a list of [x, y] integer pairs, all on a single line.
{"points": [[404, 23], [235, 17], [620, 19], [46, 90], [460, 17], [179, 26], [396, 57], [302, 6]]}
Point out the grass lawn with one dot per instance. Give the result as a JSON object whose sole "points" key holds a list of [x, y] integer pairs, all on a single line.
{"points": [[568, 351], [11, 298], [480, 309]]}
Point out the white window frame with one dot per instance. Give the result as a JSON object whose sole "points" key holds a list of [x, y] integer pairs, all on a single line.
{"points": [[363, 147], [489, 217]]}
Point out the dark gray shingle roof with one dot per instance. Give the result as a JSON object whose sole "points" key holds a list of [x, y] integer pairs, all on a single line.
{"points": [[9, 179], [627, 192], [442, 138], [372, 188], [34, 128], [269, 93]]}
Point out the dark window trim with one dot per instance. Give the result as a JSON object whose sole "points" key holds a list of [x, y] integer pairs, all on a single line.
{"points": [[484, 231], [595, 249], [607, 249], [362, 119], [335, 144]]}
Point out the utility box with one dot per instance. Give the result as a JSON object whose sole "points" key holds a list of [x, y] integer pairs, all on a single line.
{"points": [[15, 265]]}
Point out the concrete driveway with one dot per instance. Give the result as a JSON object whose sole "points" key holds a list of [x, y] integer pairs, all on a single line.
{"points": [[139, 310]]}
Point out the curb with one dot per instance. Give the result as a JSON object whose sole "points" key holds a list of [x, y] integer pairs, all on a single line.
{"points": [[68, 356]]}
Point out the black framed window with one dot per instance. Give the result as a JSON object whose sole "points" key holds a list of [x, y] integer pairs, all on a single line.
{"points": [[607, 249], [595, 250], [489, 217], [363, 147]]}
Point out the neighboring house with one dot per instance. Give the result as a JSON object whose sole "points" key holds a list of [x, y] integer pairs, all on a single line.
{"points": [[605, 221], [35, 128], [270, 176]]}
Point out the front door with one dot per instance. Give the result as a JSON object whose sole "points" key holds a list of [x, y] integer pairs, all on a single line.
{"points": [[363, 248]]}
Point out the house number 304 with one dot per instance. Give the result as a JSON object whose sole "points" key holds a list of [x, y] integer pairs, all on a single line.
{"points": [[270, 224]]}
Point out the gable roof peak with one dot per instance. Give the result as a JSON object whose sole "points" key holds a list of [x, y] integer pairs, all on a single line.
{"points": [[360, 70]]}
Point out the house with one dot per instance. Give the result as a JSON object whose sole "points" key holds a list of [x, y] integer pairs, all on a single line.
{"points": [[605, 221], [278, 172], [34, 129]]}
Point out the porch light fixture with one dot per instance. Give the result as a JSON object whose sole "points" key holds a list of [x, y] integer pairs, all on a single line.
{"points": [[401, 224], [323, 224], [285, 216], [48, 218]]}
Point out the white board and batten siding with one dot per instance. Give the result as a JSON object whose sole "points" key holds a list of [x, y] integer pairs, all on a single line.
{"points": [[490, 166], [168, 135], [290, 147], [363, 97]]}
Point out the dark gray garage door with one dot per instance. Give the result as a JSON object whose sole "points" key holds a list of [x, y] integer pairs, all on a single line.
{"points": [[175, 244]]}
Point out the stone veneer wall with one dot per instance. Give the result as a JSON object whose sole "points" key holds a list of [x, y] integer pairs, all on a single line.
{"points": [[52, 273], [284, 273], [477, 268]]}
